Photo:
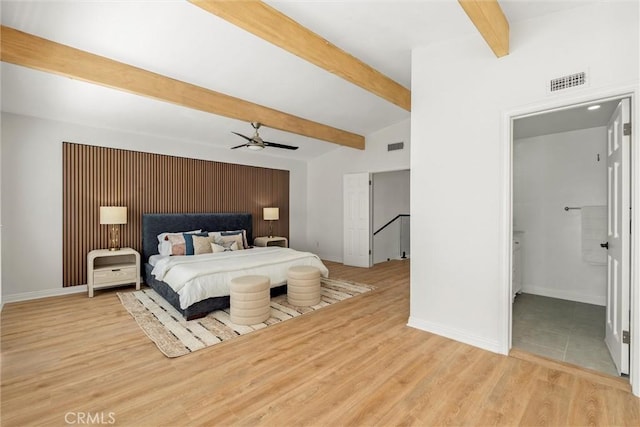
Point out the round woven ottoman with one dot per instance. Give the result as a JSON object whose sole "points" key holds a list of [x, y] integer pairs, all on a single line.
{"points": [[303, 285], [250, 300]]}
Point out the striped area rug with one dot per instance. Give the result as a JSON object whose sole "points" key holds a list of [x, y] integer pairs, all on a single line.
{"points": [[175, 336]]}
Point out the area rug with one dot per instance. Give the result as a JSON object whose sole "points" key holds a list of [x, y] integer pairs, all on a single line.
{"points": [[175, 336]]}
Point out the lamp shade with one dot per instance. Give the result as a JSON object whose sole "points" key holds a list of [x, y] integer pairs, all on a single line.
{"points": [[271, 214], [113, 215]]}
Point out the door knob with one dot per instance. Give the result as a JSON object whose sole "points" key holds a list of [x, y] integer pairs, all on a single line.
{"points": [[604, 245]]}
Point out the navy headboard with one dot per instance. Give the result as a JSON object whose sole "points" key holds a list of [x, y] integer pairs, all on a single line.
{"points": [[156, 223]]}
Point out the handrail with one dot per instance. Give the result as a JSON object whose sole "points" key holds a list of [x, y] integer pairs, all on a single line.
{"points": [[389, 223]]}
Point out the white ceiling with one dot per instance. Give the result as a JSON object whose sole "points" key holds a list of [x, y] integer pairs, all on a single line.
{"points": [[180, 40], [565, 120]]}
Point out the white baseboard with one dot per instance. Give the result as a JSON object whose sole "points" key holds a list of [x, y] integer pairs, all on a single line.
{"points": [[328, 257], [25, 296], [455, 334], [571, 296]]}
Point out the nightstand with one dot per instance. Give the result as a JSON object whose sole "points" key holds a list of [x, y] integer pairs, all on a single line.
{"points": [[271, 241], [107, 268]]}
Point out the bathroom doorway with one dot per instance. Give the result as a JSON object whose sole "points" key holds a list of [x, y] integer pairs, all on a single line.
{"points": [[563, 206]]}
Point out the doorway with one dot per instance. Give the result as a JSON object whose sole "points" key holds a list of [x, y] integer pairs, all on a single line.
{"points": [[568, 292], [390, 215], [376, 217]]}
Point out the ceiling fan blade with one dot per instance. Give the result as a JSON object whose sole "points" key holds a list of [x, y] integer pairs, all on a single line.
{"points": [[238, 146], [245, 137], [276, 145]]}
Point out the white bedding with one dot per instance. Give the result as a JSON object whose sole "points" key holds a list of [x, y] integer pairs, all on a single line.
{"points": [[199, 277]]}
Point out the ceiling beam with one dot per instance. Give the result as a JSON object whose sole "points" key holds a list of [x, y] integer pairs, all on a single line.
{"points": [[277, 28], [489, 19], [27, 50]]}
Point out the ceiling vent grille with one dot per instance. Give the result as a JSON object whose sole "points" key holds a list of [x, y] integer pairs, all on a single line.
{"points": [[566, 82], [395, 146]]}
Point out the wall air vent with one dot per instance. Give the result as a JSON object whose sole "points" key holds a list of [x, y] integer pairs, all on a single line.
{"points": [[566, 82], [395, 146]]}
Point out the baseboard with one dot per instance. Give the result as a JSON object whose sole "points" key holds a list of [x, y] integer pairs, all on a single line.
{"points": [[455, 334], [46, 293], [571, 296], [331, 258]]}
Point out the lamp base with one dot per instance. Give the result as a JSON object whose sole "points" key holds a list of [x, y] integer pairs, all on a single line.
{"points": [[114, 238]]}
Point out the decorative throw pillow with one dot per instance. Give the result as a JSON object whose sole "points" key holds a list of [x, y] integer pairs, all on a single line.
{"points": [[215, 248], [224, 246], [164, 236], [173, 243], [244, 244], [202, 244], [188, 242], [237, 238], [178, 246]]}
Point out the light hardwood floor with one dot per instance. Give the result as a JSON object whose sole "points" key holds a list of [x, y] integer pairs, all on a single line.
{"points": [[353, 363]]}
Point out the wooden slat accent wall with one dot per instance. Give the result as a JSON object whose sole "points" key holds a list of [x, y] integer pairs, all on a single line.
{"points": [[154, 183]]}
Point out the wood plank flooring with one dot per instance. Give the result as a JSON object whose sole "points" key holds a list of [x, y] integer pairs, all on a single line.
{"points": [[353, 363]]}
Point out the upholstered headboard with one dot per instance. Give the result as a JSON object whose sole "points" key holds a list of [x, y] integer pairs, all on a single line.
{"points": [[156, 223]]}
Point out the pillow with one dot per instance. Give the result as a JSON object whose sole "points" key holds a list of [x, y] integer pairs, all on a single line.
{"points": [[243, 244], [202, 244], [164, 248], [215, 248], [237, 238], [165, 245], [188, 242], [163, 236], [224, 247], [176, 244]]}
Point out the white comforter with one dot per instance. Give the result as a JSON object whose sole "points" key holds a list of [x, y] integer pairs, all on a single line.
{"points": [[199, 277]]}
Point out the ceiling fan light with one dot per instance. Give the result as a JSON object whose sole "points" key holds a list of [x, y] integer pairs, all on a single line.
{"points": [[255, 146]]}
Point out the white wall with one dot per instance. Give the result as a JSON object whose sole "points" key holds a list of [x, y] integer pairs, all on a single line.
{"points": [[32, 194], [461, 97], [1, 299], [325, 213], [390, 198], [549, 173]]}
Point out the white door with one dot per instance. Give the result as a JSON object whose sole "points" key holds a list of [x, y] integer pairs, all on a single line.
{"points": [[357, 226], [618, 262]]}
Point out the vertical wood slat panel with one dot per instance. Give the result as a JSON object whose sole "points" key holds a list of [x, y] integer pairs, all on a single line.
{"points": [[146, 183]]}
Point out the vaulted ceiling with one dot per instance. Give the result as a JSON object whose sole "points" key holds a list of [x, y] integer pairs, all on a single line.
{"points": [[198, 70]]}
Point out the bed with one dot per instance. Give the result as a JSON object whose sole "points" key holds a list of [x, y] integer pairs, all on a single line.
{"points": [[197, 285]]}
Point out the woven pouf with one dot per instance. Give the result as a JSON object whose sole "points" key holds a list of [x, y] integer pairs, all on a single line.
{"points": [[250, 300], [303, 285]]}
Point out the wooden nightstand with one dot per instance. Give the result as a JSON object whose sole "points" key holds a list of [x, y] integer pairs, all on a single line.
{"points": [[107, 268], [271, 241]]}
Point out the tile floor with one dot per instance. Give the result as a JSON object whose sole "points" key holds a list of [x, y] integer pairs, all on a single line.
{"points": [[564, 330]]}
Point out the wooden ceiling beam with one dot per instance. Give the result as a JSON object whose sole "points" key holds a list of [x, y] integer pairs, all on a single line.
{"points": [[27, 50], [489, 19], [277, 28]]}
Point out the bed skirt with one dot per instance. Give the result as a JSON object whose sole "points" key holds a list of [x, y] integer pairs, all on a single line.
{"points": [[199, 309]]}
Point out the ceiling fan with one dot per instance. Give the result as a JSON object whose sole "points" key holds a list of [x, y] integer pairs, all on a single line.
{"points": [[257, 143]]}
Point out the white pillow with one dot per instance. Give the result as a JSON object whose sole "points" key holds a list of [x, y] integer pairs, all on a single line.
{"points": [[164, 248], [164, 245], [227, 240], [215, 248], [163, 236]]}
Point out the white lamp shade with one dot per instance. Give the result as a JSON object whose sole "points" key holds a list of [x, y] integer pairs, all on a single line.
{"points": [[113, 215], [271, 214]]}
